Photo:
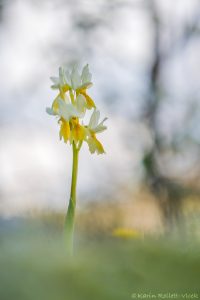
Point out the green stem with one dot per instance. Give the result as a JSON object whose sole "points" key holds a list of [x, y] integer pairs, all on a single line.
{"points": [[70, 217]]}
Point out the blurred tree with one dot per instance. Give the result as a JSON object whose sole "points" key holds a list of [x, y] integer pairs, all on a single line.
{"points": [[168, 192]]}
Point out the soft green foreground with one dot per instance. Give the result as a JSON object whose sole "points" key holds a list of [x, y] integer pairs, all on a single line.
{"points": [[34, 266]]}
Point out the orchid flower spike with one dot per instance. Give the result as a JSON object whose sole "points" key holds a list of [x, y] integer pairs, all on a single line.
{"points": [[71, 105]]}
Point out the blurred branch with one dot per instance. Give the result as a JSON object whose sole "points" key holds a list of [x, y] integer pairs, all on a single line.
{"points": [[170, 194]]}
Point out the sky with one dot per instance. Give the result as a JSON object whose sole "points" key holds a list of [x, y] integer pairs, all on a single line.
{"points": [[116, 40]]}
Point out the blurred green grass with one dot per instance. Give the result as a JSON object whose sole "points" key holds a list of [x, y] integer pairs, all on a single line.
{"points": [[34, 265]]}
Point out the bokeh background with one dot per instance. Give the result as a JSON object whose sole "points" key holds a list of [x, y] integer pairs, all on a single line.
{"points": [[138, 211], [144, 57]]}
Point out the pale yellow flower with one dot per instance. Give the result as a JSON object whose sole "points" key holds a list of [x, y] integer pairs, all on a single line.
{"points": [[93, 128], [70, 127], [127, 233], [71, 104]]}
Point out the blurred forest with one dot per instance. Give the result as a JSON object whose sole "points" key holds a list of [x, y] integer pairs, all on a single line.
{"points": [[145, 58]]}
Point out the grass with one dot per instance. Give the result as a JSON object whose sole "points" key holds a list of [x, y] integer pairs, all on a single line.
{"points": [[34, 266]]}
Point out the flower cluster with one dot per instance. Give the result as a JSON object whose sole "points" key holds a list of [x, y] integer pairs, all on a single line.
{"points": [[70, 107]]}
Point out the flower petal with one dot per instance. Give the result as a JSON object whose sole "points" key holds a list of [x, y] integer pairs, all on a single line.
{"points": [[94, 119], [81, 103], [86, 76], [68, 77], [50, 111], [101, 127], [62, 76], [75, 78], [55, 80]]}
